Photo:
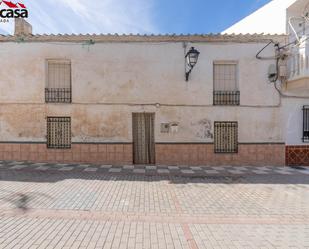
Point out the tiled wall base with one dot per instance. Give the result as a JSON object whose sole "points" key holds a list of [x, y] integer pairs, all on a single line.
{"points": [[297, 155], [79, 153], [166, 154], [203, 154]]}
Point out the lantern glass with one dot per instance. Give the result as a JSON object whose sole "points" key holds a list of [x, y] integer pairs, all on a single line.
{"points": [[192, 57]]}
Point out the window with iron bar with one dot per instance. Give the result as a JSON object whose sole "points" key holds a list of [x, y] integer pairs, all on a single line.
{"points": [[305, 124], [225, 84], [58, 87], [59, 132], [226, 137]]}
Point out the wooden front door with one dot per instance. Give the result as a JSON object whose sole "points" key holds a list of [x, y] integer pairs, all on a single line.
{"points": [[143, 138]]}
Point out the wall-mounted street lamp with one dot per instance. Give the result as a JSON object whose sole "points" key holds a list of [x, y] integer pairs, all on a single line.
{"points": [[191, 58]]}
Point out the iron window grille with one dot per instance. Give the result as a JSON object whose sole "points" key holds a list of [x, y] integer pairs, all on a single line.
{"points": [[58, 88], [305, 124], [226, 98], [58, 95], [59, 132], [226, 137]]}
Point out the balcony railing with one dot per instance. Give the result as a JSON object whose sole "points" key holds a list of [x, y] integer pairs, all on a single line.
{"points": [[226, 98], [58, 95]]}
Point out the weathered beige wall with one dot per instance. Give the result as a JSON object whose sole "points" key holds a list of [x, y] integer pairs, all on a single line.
{"points": [[95, 123], [112, 80]]}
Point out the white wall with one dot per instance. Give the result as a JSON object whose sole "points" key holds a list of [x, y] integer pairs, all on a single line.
{"points": [[112, 80], [293, 120]]}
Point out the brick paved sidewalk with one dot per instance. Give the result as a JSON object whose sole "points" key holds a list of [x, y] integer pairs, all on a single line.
{"points": [[76, 206]]}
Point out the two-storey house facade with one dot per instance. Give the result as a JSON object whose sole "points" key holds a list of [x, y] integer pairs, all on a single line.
{"points": [[125, 99]]}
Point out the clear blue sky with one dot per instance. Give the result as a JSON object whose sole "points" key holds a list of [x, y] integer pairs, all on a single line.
{"points": [[202, 16], [135, 16]]}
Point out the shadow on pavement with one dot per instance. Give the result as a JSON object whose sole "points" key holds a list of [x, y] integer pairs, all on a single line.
{"points": [[21, 201]]}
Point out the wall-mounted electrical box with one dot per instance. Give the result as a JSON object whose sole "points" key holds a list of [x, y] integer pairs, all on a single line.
{"points": [[165, 127], [169, 127], [174, 127]]}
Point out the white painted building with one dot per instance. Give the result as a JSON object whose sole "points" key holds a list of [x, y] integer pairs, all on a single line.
{"points": [[125, 99]]}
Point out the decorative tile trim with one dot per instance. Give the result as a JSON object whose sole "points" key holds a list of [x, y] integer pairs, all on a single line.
{"points": [[78, 153], [203, 154], [166, 154]]}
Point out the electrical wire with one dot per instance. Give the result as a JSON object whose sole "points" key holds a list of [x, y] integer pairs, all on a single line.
{"points": [[277, 69], [266, 58]]}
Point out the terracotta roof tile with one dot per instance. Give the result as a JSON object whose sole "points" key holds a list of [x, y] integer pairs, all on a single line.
{"points": [[145, 38]]}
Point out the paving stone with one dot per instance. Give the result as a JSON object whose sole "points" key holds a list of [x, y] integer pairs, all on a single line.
{"points": [[90, 169], [106, 166], [83, 165], [128, 167], [19, 167], [241, 168], [38, 164], [263, 168], [195, 168], [283, 172], [260, 172], [209, 171], [42, 168], [173, 167], [238, 172], [15, 163], [163, 171], [139, 171], [66, 168], [186, 171], [114, 170], [304, 172], [151, 167], [219, 168]]}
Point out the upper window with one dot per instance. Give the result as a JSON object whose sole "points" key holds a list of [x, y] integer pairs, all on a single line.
{"points": [[306, 124], [58, 86], [225, 84]]}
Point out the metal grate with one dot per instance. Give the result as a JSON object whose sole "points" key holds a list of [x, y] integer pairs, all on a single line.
{"points": [[306, 124], [226, 98], [59, 132], [226, 137], [58, 88], [58, 95]]}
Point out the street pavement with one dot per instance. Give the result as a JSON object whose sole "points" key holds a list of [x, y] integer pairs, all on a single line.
{"points": [[124, 206]]}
